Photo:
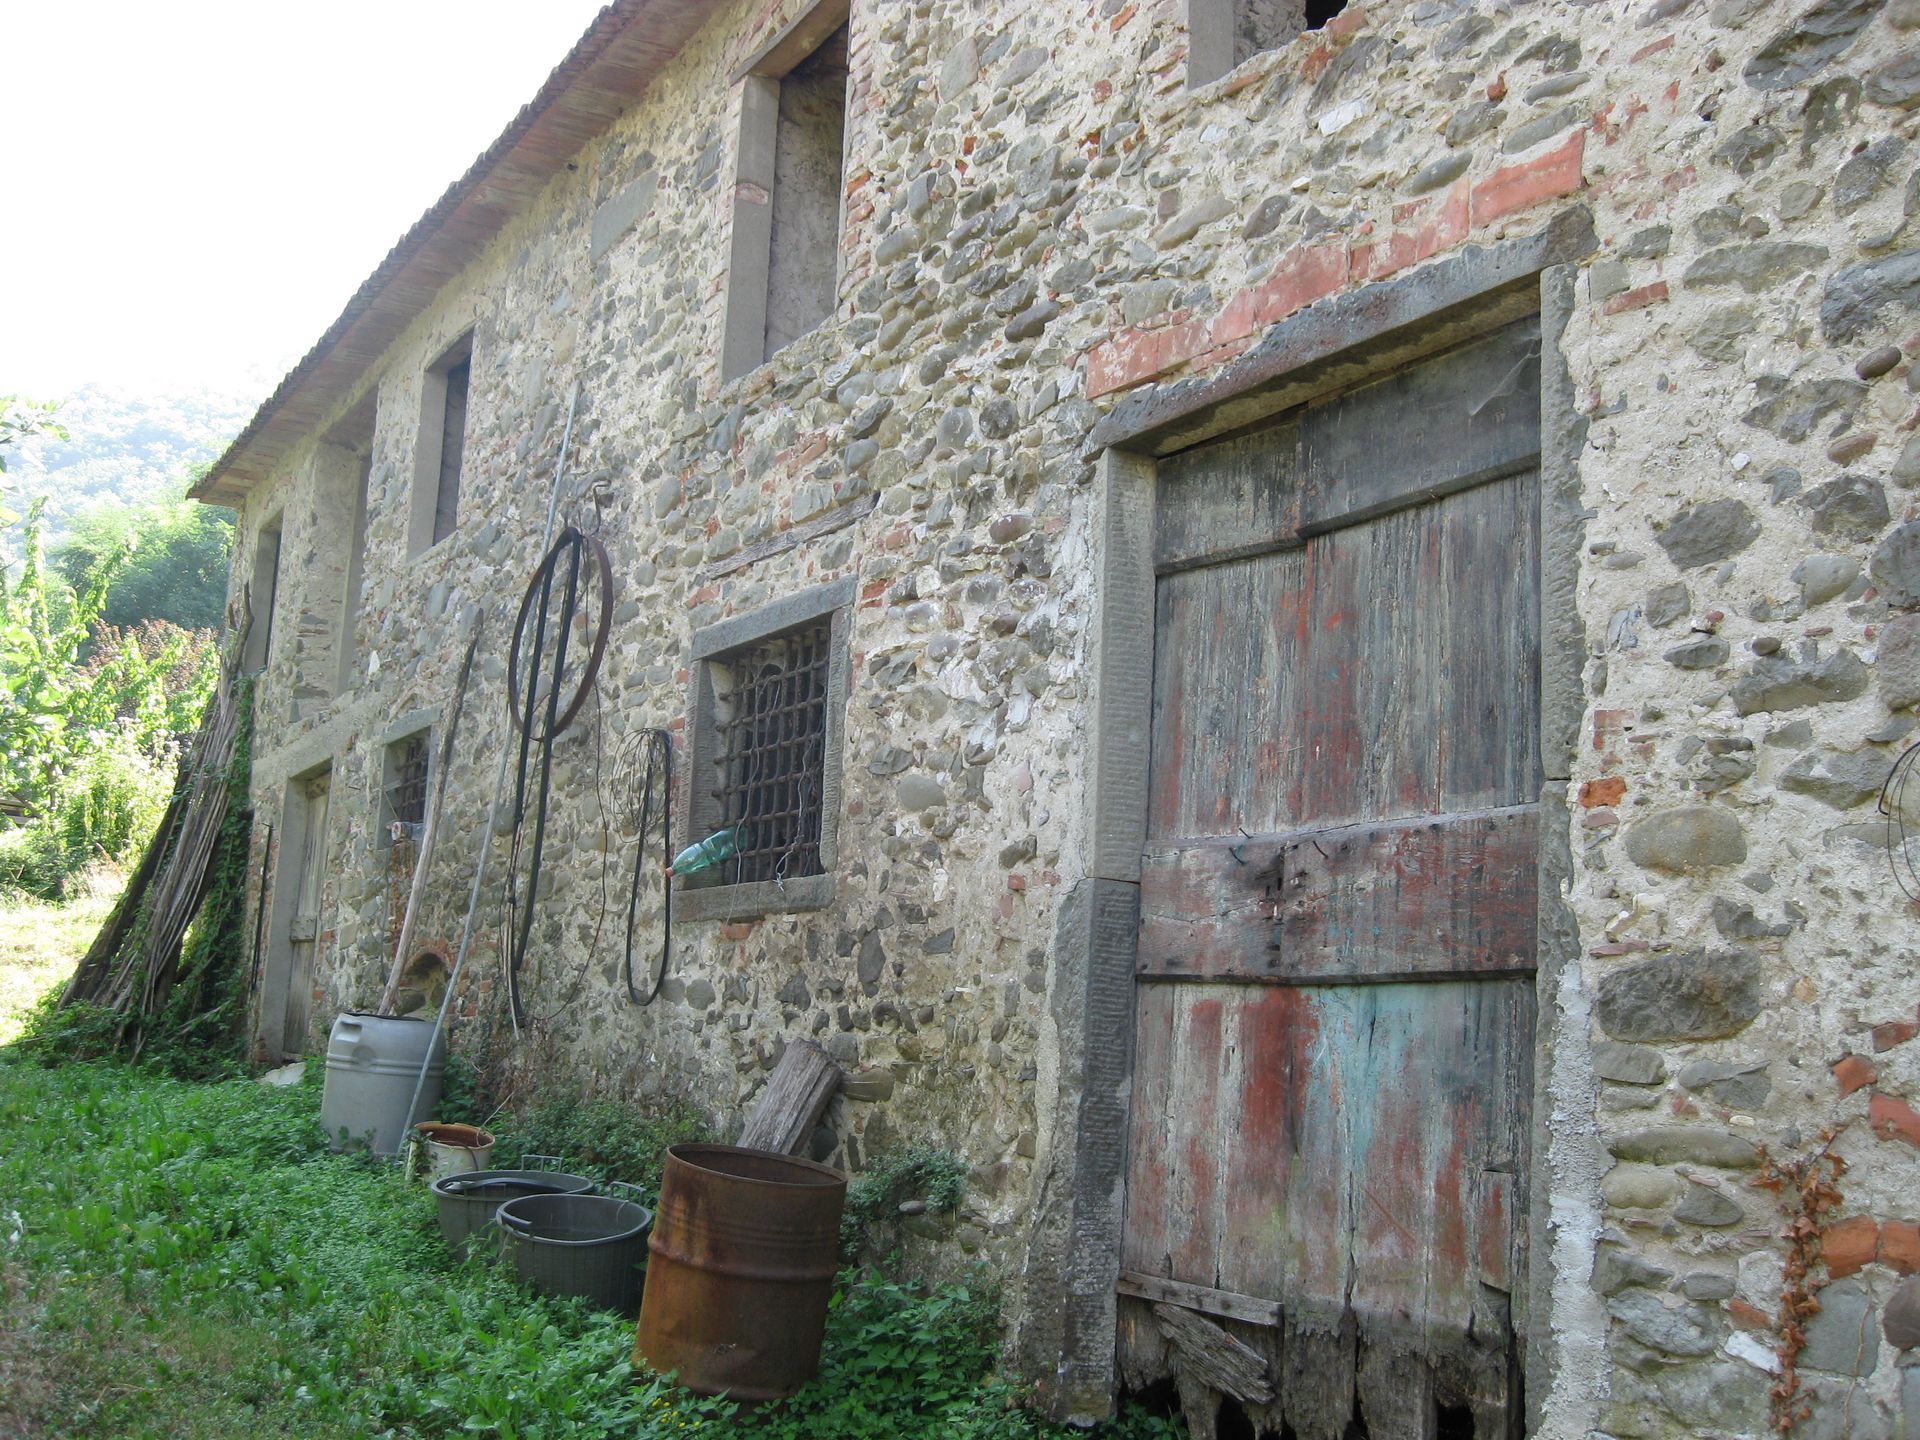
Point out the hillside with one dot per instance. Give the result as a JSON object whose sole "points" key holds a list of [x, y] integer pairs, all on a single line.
{"points": [[124, 447]]}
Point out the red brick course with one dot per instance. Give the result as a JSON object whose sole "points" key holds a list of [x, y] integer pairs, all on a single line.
{"points": [[1313, 271]]}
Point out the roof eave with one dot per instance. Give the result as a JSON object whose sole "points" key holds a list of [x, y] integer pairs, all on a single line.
{"points": [[613, 63]]}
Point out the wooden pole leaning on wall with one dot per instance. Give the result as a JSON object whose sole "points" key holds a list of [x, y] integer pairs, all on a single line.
{"points": [[797, 1095], [430, 831]]}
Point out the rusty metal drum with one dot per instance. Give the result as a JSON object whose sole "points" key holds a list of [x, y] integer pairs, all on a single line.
{"points": [[743, 1255]]}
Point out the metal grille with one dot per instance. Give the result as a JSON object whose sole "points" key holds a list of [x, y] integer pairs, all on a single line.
{"points": [[773, 708], [407, 795]]}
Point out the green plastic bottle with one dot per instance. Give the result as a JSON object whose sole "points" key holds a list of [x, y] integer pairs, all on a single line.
{"points": [[716, 849]]}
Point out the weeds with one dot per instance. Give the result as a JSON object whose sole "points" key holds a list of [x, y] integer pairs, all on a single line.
{"points": [[190, 1260], [937, 1177], [599, 1136]]}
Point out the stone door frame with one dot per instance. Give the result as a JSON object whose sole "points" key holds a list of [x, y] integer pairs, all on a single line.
{"points": [[1074, 1260]]}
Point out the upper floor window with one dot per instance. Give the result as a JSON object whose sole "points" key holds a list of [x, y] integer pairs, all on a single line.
{"points": [[788, 201], [442, 446], [1223, 33], [263, 594]]}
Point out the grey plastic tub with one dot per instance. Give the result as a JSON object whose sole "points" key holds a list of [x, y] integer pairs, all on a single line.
{"points": [[466, 1202], [593, 1246]]}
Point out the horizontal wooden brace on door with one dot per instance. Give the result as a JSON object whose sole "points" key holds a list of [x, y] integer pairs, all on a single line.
{"points": [[1425, 898], [1207, 1301]]}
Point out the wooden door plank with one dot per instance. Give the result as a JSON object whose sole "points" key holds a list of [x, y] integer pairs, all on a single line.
{"points": [[1436, 897], [1457, 420], [1274, 1038], [1147, 1238], [1429, 896], [1486, 646], [1205, 1299], [1209, 909], [1195, 1133], [1237, 496]]}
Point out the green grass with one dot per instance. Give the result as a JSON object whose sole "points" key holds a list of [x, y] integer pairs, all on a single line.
{"points": [[39, 946], [188, 1260]]}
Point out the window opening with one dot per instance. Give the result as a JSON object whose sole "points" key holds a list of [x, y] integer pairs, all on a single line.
{"points": [[453, 438], [771, 703], [783, 266], [809, 145], [405, 790], [263, 588], [441, 448], [1225, 33]]}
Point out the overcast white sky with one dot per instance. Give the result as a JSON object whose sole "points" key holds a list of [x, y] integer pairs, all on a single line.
{"points": [[194, 189]]}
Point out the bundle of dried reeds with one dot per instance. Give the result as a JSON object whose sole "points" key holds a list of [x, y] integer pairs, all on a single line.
{"points": [[133, 963]]}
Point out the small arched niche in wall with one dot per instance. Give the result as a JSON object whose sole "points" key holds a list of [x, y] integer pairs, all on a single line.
{"points": [[422, 985]]}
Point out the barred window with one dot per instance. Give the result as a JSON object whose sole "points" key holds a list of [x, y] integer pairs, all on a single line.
{"points": [[768, 701], [771, 714], [403, 789]]}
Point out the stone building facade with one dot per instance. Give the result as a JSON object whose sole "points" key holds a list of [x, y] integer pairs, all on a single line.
{"points": [[896, 323]]}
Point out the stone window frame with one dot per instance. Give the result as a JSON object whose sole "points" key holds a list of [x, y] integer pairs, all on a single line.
{"points": [[269, 542], [353, 437], [750, 241], [424, 529], [712, 646], [1212, 42], [414, 725]]}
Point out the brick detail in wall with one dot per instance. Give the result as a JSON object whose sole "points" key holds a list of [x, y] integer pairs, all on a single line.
{"points": [[1313, 271]]}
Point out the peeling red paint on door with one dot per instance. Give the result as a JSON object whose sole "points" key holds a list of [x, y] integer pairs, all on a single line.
{"points": [[1334, 974]]}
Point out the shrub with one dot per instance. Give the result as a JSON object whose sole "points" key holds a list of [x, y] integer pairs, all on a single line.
{"points": [[601, 1136]]}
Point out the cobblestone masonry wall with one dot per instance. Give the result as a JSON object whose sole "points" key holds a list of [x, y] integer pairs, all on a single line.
{"points": [[1042, 217]]}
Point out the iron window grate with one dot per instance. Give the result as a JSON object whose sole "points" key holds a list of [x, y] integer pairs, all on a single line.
{"points": [[773, 708], [408, 793]]}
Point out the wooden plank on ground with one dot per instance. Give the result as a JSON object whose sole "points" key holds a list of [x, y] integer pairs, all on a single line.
{"points": [[796, 1096]]}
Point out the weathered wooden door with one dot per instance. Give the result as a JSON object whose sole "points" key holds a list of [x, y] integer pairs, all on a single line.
{"points": [[304, 931], [1334, 997]]}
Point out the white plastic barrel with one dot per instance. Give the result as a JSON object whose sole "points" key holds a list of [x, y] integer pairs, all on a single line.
{"points": [[373, 1062]]}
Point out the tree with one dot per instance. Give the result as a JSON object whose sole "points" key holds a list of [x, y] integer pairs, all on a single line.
{"points": [[169, 561], [20, 419]]}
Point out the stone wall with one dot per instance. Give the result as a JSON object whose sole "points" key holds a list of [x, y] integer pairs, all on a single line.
{"points": [[1042, 221]]}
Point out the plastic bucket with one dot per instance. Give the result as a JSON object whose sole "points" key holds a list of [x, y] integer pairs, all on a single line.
{"points": [[466, 1202], [741, 1270], [373, 1063], [593, 1246], [453, 1149]]}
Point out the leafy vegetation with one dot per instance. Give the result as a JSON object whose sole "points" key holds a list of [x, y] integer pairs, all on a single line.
{"points": [[168, 560], [23, 419], [89, 719], [937, 1178], [189, 1260], [600, 1136]]}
